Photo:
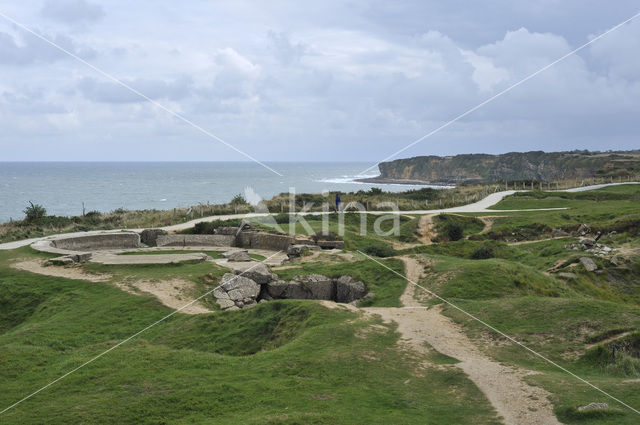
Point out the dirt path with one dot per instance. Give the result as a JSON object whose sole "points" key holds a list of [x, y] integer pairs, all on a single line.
{"points": [[517, 402], [488, 222], [425, 229], [37, 266]]}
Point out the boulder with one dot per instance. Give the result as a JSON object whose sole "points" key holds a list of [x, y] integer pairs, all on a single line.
{"points": [[149, 237], [583, 229], [558, 233], [348, 289], [589, 264], [297, 251], [277, 288], [588, 242], [593, 406], [239, 287], [225, 303], [318, 286], [259, 273], [237, 255]]}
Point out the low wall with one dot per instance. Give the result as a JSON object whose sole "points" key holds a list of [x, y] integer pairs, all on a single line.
{"points": [[195, 240], [98, 242], [262, 240]]}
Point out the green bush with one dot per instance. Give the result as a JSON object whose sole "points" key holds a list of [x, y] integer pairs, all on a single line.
{"points": [[453, 231], [34, 211], [482, 252], [379, 250]]}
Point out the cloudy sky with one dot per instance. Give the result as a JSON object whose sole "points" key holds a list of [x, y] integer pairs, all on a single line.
{"points": [[322, 80]]}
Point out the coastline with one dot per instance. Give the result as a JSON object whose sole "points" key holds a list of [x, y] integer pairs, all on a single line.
{"points": [[384, 180]]}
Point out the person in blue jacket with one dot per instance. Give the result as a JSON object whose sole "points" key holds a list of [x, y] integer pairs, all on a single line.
{"points": [[337, 202]]}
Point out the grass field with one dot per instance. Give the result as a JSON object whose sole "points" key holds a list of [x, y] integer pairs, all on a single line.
{"points": [[297, 362], [284, 362]]}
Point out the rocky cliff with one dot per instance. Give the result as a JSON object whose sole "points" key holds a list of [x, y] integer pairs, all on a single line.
{"points": [[537, 165]]}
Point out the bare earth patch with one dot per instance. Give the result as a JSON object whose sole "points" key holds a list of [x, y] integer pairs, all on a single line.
{"points": [[425, 229], [173, 293], [515, 401], [69, 272]]}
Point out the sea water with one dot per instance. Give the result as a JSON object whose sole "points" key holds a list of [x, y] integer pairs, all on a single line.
{"points": [[62, 187]]}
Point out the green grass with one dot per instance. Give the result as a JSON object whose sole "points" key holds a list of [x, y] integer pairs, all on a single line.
{"points": [[285, 362], [558, 329], [386, 285], [469, 225]]}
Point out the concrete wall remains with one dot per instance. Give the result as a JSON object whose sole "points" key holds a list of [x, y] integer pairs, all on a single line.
{"points": [[98, 242], [196, 240]]}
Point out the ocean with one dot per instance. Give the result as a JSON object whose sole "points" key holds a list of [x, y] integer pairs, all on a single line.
{"points": [[62, 187]]}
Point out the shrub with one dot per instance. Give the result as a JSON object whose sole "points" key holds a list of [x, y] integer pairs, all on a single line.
{"points": [[453, 231], [239, 200], [330, 236], [379, 250], [34, 211], [482, 253]]}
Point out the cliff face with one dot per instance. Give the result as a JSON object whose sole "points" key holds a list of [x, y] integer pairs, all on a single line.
{"points": [[537, 165]]}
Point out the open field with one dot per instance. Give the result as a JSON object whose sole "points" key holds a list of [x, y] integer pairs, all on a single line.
{"points": [[300, 361]]}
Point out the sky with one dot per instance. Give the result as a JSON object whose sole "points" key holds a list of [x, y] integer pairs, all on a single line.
{"points": [[314, 81]]}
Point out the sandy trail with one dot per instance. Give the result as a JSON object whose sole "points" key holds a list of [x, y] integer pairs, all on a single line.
{"points": [[173, 293], [37, 266], [517, 402], [425, 229]]}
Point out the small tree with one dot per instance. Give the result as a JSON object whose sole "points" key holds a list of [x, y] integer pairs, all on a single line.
{"points": [[34, 211], [239, 200]]}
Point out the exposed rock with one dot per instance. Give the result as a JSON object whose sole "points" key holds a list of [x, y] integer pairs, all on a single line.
{"points": [[149, 237], [61, 261], [588, 242], [297, 251], [615, 260], [568, 275], [583, 229], [239, 287], [277, 288], [589, 264], [225, 303], [237, 255], [558, 233], [82, 257], [593, 406], [259, 273], [319, 287], [358, 303], [348, 290], [538, 166], [220, 293]]}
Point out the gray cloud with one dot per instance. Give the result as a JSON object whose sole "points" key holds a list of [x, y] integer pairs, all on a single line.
{"points": [[112, 92], [34, 50], [325, 80], [72, 11]]}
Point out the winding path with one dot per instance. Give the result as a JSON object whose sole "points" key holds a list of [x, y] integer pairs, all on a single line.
{"points": [[517, 402], [481, 206]]}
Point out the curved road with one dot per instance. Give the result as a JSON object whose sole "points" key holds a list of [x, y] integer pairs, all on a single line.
{"points": [[482, 206]]}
